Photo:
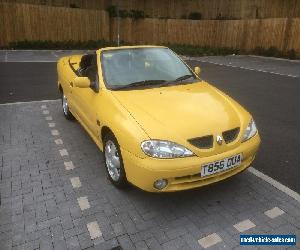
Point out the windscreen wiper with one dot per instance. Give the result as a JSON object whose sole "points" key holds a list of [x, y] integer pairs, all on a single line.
{"points": [[178, 80], [141, 84], [184, 77]]}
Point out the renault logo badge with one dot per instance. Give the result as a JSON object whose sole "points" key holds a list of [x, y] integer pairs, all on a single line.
{"points": [[219, 139]]}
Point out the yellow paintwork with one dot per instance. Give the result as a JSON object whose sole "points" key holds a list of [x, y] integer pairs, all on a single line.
{"points": [[173, 113]]}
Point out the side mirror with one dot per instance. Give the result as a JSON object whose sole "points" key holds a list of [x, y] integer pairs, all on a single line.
{"points": [[82, 82], [197, 70]]}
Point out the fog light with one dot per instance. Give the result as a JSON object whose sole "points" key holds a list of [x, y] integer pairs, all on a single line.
{"points": [[160, 184]]}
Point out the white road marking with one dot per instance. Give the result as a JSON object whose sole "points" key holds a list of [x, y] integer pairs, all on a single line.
{"points": [[240, 67], [274, 212], [46, 112], [275, 183], [44, 106], [53, 53], [83, 203], [51, 124], [63, 152], [21, 103], [54, 132], [59, 142], [94, 230], [210, 240], [244, 225], [48, 118], [69, 165], [75, 181], [275, 58]]}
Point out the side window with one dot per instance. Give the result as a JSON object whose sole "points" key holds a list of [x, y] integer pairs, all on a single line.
{"points": [[87, 61], [88, 68]]}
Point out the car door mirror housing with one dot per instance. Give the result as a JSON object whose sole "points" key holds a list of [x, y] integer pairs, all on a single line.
{"points": [[82, 82], [197, 70]]}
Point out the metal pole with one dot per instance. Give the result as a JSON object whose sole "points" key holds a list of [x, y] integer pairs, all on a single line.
{"points": [[118, 25]]}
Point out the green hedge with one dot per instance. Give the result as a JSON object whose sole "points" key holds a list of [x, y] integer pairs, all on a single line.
{"points": [[188, 50], [195, 16], [135, 14], [274, 52], [64, 45]]}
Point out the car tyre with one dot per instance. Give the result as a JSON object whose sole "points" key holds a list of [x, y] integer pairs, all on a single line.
{"points": [[66, 111], [113, 161]]}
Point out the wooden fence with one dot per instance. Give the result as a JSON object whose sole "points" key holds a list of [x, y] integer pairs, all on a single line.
{"points": [[35, 22], [210, 9], [85, 4], [32, 22], [282, 33]]}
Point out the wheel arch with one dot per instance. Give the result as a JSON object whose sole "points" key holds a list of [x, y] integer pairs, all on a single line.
{"points": [[104, 131], [60, 88]]}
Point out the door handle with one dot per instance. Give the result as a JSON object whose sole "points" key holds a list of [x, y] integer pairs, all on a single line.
{"points": [[71, 84]]}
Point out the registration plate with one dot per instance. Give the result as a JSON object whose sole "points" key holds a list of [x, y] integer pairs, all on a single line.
{"points": [[221, 165]]}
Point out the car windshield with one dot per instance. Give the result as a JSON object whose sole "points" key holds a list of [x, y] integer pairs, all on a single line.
{"points": [[143, 67]]}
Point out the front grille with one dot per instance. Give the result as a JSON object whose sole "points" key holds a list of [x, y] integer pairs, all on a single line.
{"points": [[230, 135], [206, 142], [202, 142]]}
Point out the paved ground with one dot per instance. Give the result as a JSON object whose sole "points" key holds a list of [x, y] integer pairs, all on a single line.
{"points": [[47, 204], [54, 193], [21, 82]]}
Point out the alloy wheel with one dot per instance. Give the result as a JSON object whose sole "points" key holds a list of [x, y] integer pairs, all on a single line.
{"points": [[112, 159]]}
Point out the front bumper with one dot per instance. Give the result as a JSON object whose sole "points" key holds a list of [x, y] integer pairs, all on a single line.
{"points": [[183, 173]]}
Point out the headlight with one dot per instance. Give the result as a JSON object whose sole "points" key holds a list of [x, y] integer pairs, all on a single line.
{"points": [[164, 149], [250, 131]]}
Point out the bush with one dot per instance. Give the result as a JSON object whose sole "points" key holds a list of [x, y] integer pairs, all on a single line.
{"points": [[135, 14], [60, 45], [258, 51], [124, 13], [220, 17], [273, 51], [291, 54], [195, 16], [112, 11], [73, 5], [191, 50]]}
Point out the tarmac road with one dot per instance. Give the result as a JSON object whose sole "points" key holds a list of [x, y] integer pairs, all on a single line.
{"points": [[23, 82], [274, 101]]}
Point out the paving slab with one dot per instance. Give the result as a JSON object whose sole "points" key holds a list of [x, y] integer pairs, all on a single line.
{"points": [[39, 205]]}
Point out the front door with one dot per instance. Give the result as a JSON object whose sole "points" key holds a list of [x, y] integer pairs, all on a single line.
{"points": [[87, 100]]}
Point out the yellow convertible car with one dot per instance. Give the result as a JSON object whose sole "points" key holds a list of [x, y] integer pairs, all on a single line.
{"points": [[159, 125]]}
